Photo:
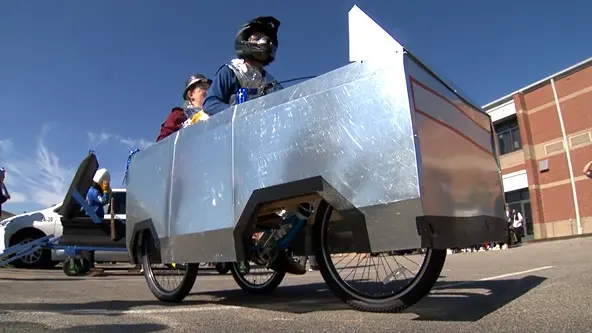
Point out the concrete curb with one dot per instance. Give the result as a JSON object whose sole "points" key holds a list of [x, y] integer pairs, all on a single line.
{"points": [[543, 240]]}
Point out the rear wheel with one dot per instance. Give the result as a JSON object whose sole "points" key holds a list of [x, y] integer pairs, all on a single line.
{"points": [[393, 288], [167, 282], [255, 279]]}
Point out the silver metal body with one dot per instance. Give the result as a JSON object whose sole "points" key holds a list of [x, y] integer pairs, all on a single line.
{"points": [[389, 137]]}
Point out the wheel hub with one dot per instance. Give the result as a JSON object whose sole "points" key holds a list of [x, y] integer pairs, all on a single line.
{"points": [[32, 257]]}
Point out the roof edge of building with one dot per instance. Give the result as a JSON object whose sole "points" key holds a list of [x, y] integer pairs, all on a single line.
{"points": [[564, 72]]}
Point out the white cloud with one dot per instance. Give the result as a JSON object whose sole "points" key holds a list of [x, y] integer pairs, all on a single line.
{"points": [[39, 178], [17, 197], [97, 139], [5, 147]]}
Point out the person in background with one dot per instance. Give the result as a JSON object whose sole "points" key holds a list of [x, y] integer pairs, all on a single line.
{"points": [[508, 241], [97, 197], [255, 45], [517, 225], [588, 170], [194, 94], [4, 195]]}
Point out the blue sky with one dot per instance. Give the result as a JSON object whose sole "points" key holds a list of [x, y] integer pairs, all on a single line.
{"points": [[103, 75]]}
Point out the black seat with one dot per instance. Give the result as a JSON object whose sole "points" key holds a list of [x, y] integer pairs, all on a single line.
{"points": [[82, 231], [78, 228]]}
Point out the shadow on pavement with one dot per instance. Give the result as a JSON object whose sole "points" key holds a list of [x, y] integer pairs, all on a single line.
{"points": [[294, 299], [450, 301], [454, 301], [17, 326]]}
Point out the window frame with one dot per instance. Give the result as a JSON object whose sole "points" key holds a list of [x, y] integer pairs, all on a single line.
{"points": [[508, 128]]}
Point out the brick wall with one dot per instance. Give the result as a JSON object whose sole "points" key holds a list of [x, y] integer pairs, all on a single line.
{"points": [[540, 131]]}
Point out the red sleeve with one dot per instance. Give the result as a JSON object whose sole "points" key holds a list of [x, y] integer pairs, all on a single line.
{"points": [[172, 124]]}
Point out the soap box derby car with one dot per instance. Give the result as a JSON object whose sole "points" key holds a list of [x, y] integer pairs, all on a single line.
{"points": [[391, 159]]}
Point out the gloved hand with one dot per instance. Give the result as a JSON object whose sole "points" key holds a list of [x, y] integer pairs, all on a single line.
{"points": [[201, 115]]}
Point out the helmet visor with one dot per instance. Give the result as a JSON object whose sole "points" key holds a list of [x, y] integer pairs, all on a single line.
{"points": [[263, 42]]}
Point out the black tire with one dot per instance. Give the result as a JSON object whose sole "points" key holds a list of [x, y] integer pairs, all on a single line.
{"points": [[222, 267], [413, 293], [86, 265], [44, 260], [172, 296], [256, 289], [76, 266]]}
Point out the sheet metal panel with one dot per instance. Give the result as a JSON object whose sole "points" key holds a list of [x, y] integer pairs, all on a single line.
{"points": [[459, 173], [148, 186]]}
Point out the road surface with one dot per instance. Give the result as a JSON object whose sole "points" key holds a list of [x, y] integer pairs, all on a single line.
{"points": [[542, 287]]}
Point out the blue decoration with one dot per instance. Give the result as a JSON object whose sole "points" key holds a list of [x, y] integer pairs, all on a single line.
{"points": [[129, 159]]}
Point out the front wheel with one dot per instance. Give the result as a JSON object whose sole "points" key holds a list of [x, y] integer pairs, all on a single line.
{"points": [[255, 279], [178, 279], [393, 289]]}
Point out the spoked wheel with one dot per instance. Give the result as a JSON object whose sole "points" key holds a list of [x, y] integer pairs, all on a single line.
{"points": [[175, 266], [255, 279], [167, 282], [376, 282]]}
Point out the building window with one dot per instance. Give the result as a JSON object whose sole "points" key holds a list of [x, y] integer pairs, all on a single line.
{"points": [[508, 135], [518, 195]]}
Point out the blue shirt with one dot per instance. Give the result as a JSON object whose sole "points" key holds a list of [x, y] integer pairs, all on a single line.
{"points": [[96, 200], [223, 86]]}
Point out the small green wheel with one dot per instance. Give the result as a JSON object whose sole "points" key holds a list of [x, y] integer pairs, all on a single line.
{"points": [[76, 266]]}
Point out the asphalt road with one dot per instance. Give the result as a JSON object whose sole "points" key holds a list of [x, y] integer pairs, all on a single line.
{"points": [[542, 287]]}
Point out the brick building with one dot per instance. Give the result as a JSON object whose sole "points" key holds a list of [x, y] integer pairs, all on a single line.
{"points": [[544, 135]]}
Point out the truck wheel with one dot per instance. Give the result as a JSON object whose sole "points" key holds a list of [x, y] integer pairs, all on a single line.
{"points": [[167, 291], [40, 259], [251, 281], [390, 299]]}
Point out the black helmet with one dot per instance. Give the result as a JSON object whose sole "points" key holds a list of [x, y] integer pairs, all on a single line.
{"points": [[194, 79], [263, 52]]}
